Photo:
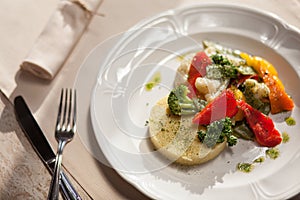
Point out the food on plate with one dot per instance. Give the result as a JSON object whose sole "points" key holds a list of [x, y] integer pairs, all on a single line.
{"points": [[220, 95], [262, 126], [224, 105], [279, 99], [176, 137], [290, 121], [245, 167], [181, 104], [272, 153]]}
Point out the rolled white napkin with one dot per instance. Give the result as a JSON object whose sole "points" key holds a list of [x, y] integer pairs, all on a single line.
{"points": [[59, 37]]}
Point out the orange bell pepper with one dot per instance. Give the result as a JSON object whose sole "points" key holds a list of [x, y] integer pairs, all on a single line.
{"points": [[280, 101]]}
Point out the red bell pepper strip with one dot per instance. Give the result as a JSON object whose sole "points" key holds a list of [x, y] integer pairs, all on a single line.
{"points": [[197, 69], [262, 126], [225, 105]]}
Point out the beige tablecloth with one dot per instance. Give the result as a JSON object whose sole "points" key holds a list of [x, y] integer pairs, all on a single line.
{"points": [[21, 22]]}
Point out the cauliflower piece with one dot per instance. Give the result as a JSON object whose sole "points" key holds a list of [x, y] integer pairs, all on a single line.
{"points": [[183, 70], [258, 90], [210, 88], [257, 94], [205, 85]]}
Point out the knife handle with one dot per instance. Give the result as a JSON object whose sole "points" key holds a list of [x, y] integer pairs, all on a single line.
{"points": [[69, 188], [28, 124]]}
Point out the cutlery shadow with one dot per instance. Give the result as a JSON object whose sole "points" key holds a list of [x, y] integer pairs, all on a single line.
{"points": [[125, 189], [31, 87]]}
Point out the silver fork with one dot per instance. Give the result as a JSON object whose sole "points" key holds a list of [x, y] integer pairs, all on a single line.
{"points": [[64, 133]]}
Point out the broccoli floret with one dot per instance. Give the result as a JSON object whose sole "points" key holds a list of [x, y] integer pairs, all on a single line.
{"points": [[220, 60], [223, 68], [218, 71], [217, 132], [232, 140], [180, 104], [230, 71]]}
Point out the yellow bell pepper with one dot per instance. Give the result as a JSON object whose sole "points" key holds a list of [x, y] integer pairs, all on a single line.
{"points": [[238, 95]]}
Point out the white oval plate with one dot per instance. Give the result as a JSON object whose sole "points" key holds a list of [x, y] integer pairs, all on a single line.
{"points": [[120, 104]]}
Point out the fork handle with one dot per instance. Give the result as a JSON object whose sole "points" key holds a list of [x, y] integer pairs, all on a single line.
{"points": [[54, 187], [65, 183], [67, 189]]}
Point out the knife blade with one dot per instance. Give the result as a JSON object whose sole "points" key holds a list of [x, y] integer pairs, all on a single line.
{"points": [[41, 146]]}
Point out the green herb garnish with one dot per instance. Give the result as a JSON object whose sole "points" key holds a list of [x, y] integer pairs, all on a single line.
{"points": [[259, 159], [285, 137], [273, 153], [290, 121], [245, 167]]}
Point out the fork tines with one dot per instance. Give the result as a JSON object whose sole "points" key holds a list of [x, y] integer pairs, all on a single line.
{"points": [[66, 119]]}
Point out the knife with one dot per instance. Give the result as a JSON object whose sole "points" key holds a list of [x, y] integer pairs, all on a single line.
{"points": [[41, 146]]}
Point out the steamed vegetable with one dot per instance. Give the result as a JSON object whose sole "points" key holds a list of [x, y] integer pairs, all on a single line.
{"points": [[262, 126], [257, 95], [239, 88], [197, 69], [210, 88], [222, 66], [233, 56], [219, 71], [222, 106], [280, 101], [241, 130], [218, 132], [180, 104]]}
